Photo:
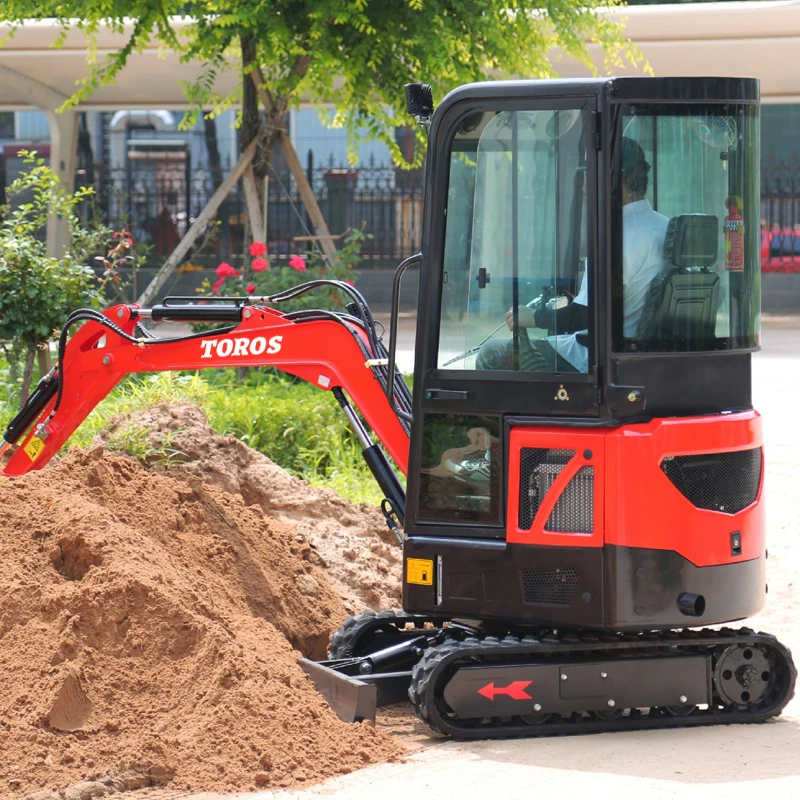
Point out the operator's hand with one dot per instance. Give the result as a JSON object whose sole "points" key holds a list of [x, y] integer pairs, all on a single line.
{"points": [[526, 317]]}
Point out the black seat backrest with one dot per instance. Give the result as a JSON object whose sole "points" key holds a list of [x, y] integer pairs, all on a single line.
{"points": [[682, 300]]}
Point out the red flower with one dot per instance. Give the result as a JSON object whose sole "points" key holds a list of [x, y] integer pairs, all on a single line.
{"points": [[258, 249], [225, 270], [250, 288], [218, 285], [349, 282], [298, 263], [259, 264]]}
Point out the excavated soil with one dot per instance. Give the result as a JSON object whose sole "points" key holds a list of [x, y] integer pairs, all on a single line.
{"points": [[147, 627], [360, 555]]}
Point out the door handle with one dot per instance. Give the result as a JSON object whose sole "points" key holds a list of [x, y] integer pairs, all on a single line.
{"points": [[447, 394]]}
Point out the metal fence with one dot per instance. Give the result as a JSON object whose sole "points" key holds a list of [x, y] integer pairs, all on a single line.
{"points": [[780, 216], [157, 200], [780, 195]]}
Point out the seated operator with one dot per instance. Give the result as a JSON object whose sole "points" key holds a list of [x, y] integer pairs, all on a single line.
{"points": [[643, 233]]}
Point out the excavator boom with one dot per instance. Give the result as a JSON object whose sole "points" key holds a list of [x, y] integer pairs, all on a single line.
{"points": [[334, 351]]}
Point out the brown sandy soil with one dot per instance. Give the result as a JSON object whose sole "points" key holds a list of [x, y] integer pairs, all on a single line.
{"points": [[360, 556], [146, 632]]}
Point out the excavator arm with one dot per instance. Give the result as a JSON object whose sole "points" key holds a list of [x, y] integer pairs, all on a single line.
{"points": [[338, 352]]}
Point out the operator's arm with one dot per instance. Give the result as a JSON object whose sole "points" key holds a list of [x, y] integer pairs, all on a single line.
{"points": [[571, 318], [565, 319]]}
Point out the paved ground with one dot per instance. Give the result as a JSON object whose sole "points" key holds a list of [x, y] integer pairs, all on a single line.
{"points": [[754, 762]]}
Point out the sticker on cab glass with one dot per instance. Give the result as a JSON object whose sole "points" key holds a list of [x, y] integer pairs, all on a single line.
{"points": [[34, 448], [419, 571]]}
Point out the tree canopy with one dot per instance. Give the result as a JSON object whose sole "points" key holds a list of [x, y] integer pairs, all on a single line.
{"points": [[352, 54]]}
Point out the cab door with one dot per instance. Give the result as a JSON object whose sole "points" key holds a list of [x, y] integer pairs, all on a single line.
{"points": [[509, 239]]}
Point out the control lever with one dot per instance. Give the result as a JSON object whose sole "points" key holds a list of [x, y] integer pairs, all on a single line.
{"points": [[541, 299]]}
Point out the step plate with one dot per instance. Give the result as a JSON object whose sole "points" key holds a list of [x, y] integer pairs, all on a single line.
{"points": [[485, 691]]}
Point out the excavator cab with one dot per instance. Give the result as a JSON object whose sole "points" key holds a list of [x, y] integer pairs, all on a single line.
{"points": [[584, 450], [584, 465]]}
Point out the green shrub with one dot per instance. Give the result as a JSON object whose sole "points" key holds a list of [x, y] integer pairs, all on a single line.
{"points": [[37, 290]]}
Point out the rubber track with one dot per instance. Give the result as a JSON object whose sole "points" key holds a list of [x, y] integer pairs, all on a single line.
{"points": [[437, 662], [346, 639]]}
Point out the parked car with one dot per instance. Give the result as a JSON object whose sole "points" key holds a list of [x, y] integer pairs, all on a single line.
{"points": [[780, 250]]}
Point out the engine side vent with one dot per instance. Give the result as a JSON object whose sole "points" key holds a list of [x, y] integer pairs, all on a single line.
{"points": [[574, 510], [549, 587], [726, 482], [539, 467]]}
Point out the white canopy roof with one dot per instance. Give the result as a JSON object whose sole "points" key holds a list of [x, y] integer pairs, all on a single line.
{"points": [[748, 39]]}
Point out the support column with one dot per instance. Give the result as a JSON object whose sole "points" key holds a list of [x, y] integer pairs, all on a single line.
{"points": [[63, 138], [63, 151]]}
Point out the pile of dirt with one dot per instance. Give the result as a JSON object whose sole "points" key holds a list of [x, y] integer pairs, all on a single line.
{"points": [[146, 632], [360, 555]]}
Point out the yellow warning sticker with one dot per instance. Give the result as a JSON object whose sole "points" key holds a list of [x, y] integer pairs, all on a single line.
{"points": [[34, 448], [419, 571]]}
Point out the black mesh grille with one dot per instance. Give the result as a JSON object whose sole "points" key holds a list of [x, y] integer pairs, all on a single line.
{"points": [[574, 511], [539, 467], [549, 587], [726, 482]]}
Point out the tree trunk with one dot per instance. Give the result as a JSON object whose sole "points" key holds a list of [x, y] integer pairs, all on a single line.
{"points": [[45, 360], [212, 146], [30, 356], [250, 124], [215, 169]]}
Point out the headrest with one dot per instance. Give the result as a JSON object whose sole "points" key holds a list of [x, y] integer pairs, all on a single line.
{"points": [[692, 240]]}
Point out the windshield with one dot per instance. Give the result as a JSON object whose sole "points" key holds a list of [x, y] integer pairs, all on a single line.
{"points": [[686, 263], [515, 291]]}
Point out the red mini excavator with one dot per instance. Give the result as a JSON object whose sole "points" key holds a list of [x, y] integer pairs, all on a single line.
{"points": [[584, 465]]}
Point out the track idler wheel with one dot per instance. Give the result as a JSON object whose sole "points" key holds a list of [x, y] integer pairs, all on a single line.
{"points": [[743, 675]]}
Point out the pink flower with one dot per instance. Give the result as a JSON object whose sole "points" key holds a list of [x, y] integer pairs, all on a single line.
{"points": [[298, 263], [258, 249], [250, 288], [218, 285], [259, 264], [225, 270]]}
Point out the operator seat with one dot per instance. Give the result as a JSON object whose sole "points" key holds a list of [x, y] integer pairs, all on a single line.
{"points": [[680, 309]]}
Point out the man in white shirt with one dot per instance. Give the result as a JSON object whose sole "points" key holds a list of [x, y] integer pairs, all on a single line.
{"points": [[643, 233]]}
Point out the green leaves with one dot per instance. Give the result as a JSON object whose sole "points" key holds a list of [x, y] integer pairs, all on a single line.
{"points": [[360, 52], [37, 291]]}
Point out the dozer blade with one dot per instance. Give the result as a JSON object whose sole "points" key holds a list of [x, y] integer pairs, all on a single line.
{"points": [[355, 687], [351, 699]]}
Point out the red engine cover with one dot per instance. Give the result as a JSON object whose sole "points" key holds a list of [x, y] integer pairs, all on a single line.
{"points": [[635, 504]]}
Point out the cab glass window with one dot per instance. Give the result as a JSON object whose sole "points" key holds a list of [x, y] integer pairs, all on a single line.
{"points": [[460, 471], [686, 261], [515, 289]]}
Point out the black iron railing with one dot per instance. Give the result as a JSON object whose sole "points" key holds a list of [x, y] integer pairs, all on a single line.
{"points": [[780, 216], [158, 201]]}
